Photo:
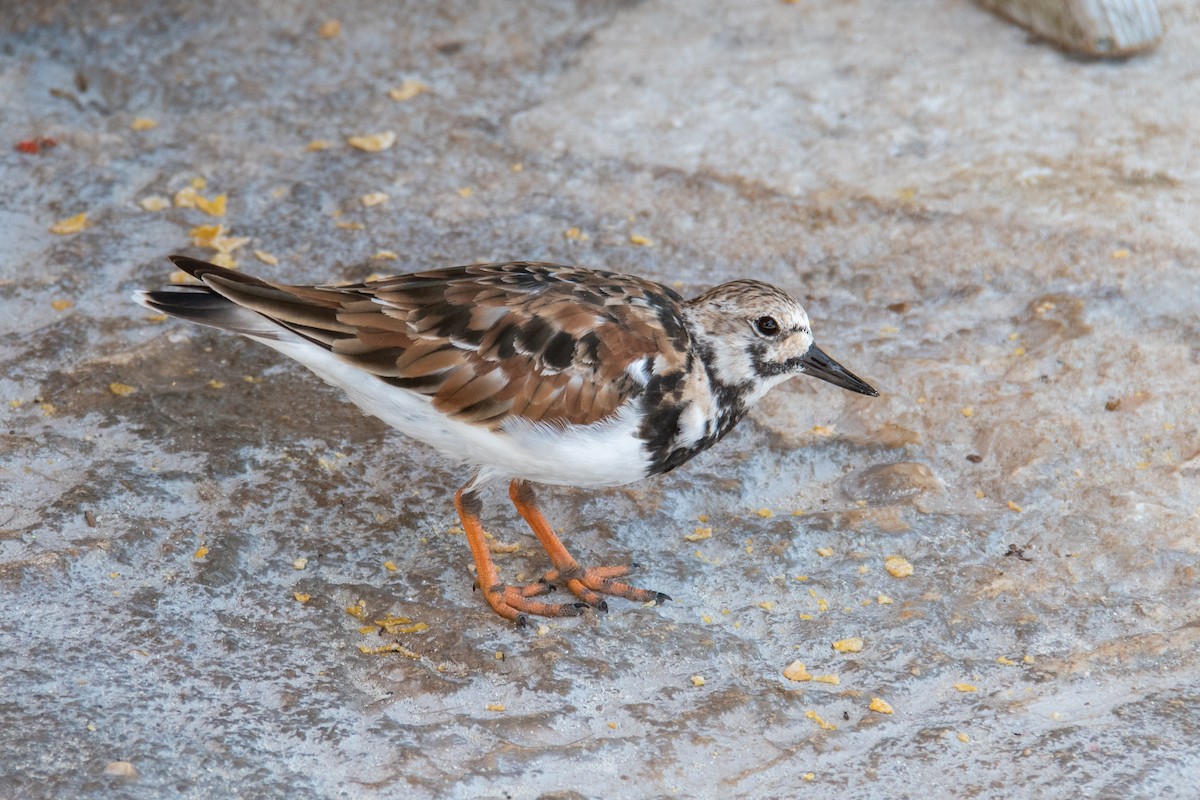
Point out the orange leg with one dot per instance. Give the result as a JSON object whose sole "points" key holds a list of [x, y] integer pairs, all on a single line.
{"points": [[510, 602], [585, 583]]}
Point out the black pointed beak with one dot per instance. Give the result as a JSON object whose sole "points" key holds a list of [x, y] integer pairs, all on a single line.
{"points": [[819, 365]]}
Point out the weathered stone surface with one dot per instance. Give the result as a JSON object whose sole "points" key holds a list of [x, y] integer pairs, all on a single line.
{"points": [[1001, 238]]}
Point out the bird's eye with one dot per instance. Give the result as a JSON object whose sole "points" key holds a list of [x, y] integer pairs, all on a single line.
{"points": [[767, 326]]}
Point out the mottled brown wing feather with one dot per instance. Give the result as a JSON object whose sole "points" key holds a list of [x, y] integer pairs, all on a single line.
{"points": [[490, 341]]}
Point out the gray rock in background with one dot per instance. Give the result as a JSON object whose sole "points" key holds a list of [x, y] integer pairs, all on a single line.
{"points": [[1001, 238]]}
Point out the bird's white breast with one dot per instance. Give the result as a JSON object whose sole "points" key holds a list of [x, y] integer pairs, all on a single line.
{"points": [[605, 453]]}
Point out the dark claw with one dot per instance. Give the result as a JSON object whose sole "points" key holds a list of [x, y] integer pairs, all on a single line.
{"points": [[634, 565], [522, 621], [659, 597], [602, 606], [581, 606]]}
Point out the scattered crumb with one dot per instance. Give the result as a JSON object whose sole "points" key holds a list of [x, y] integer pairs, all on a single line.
{"points": [[216, 384], [824, 552], [407, 90], [642, 241], [466, 191], [765, 513], [1122, 253], [185, 197], [1028, 659], [543, 630], [300, 563], [372, 199], [832, 680], [317, 145], [301, 597], [767, 605], [155, 202], [612, 725], [504, 548], [390, 566], [962, 737], [351, 226], [1008, 662], [880, 706], [495, 707], [805, 616], [820, 722], [61, 305], [796, 671], [385, 255], [966, 687], [122, 769], [201, 551], [576, 235], [70, 225], [395, 625], [697, 680], [884, 600], [143, 124], [214, 207], [852, 645], [897, 566], [518, 167], [822, 430], [121, 389], [266, 258], [808, 776], [698, 534], [373, 142], [393, 647], [968, 411], [358, 611], [1014, 507], [330, 29]]}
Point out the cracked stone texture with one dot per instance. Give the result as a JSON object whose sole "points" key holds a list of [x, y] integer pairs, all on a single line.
{"points": [[1000, 237]]}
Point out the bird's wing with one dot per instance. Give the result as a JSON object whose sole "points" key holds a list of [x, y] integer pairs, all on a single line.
{"points": [[485, 342]]}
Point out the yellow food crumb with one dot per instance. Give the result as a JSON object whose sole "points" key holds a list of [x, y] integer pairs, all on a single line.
{"points": [[199, 183], [796, 671], [706, 619], [518, 167], [373, 142], [698, 534], [962, 737], [61, 305], [884, 600], [121, 389], [407, 90], [880, 706], [214, 207], [968, 411], [225, 260], [966, 687], [495, 707], [70, 225], [805, 616], [185, 197], [201, 551], [317, 145], [371, 199], [767, 605], [642, 241], [765, 513], [301, 597], [394, 625], [1028, 659], [143, 124], [390, 566], [820, 722], [330, 29], [1008, 662], [466, 191], [385, 255], [391, 647], [697, 680], [47, 409], [358, 610], [612, 725], [1014, 507], [898, 566], [368, 629], [832, 680], [808, 776], [852, 645], [266, 258], [576, 235], [1018, 351], [300, 563], [216, 384], [543, 630], [350, 226], [1122, 253], [155, 202], [822, 430], [824, 552], [504, 547]]}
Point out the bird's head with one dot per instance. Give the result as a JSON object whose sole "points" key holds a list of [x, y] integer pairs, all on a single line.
{"points": [[758, 336]]}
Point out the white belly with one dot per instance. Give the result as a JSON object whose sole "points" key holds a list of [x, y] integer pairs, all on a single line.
{"points": [[606, 453]]}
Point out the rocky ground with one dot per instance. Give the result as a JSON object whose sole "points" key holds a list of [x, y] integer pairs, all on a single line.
{"points": [[1000, 237]]}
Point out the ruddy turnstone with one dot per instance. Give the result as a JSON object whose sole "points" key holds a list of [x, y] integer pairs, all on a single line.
{"points": [[530, 373]]}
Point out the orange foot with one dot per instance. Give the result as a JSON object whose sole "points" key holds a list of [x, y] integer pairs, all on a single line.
{"points": [[515, 602]]}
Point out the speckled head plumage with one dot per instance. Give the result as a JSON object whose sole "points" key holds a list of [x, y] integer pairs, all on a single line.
{"points": [[530, 372]]}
